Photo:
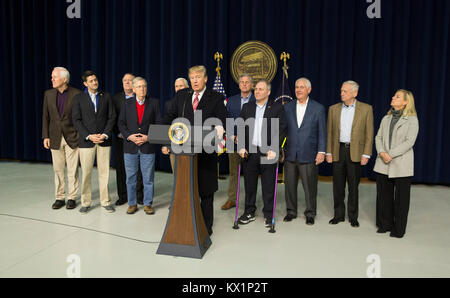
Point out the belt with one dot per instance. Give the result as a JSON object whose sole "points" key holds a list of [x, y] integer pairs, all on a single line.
{"points": [[346, 145]]}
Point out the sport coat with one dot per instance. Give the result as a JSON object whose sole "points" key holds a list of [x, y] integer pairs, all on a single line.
{"points": [[404, 136], [129, 124], [88, 122], [53, 125], [211, 105], [304, 142], [274, 110], [361, 139]]}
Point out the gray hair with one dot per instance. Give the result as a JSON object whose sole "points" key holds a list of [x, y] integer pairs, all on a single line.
{"points": [[353, 84], [63, 73], [248, 76], [138, 79], [269, 86], [184, 81], [307, 82]]}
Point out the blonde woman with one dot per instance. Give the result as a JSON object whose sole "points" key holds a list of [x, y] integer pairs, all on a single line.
{"points": [[395, 163]]}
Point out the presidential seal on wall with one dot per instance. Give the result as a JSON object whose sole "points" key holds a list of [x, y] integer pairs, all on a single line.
{"points": [[255, 58]]}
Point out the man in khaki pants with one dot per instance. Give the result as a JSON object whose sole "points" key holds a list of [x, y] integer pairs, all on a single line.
{"points": [[93, 115], [61, 137], [234, 107]]}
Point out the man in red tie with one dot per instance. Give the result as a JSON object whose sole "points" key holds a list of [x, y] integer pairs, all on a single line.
{"points": [[210, 103]]}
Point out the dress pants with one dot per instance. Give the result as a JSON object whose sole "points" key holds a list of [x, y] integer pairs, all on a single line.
{"points": [[65, 155], [393, 198], [309, 174], [252, 168], [207, 205], [346, 171], [234, 161], [87, 157], [121, 176]]}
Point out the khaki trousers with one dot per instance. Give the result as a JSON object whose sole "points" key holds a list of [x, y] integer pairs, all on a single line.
{"points": [[87, 157], [65, 155], [233, 160]]}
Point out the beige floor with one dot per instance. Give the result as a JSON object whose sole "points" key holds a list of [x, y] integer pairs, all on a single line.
{"points": [[37, 241]]}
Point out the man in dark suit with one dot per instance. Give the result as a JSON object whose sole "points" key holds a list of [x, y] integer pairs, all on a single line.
{"points": [[93, 115], [306, 145], [210, 104], [118, 100], [134, 121], [61, 137], [234, 107], [260, 150]]}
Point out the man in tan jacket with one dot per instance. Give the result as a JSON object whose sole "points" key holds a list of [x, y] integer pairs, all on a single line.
{"points": [[349, 146], [61, 137]]}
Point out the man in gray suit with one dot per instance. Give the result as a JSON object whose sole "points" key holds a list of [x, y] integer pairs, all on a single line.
{"points": [[307, 137]]}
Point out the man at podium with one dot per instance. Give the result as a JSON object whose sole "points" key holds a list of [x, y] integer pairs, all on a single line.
{"points": [[187, 102]]}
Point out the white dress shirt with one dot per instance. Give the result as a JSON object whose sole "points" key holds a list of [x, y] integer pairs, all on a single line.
{"points": [[301, 110]]}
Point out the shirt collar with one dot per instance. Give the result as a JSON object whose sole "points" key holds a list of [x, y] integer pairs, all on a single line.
{"points": [[200, 94], [350, 106], [263, 106], [140, 102], [246, 98]]}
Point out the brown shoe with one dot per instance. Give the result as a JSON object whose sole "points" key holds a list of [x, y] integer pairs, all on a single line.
{"points": [[228, 205], [149, 210], [132, 209]]}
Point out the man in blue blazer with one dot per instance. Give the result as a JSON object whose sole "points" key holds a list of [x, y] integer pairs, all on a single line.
{"points": [[234, 107], [306, 145]]}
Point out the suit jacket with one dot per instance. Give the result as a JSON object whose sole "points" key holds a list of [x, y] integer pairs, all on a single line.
{"points": [[88, 122], [401, 150], [211, 105], [118, 99], [234, 108], [53, 125], [305, 142], [274, 110], [129, 124], [361, 140]]}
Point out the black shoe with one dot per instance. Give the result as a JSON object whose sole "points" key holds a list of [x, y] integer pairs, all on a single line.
{"points": [[354, 223], [289, 217], [395, 235], [335, 221], [58, 204], [381, 230], [267, 222], [71, 204], [120, 202], [309, 221], [246, 218], [210, 232]]}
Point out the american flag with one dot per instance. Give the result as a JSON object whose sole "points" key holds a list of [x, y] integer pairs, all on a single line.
{"points": [[218, 86]]}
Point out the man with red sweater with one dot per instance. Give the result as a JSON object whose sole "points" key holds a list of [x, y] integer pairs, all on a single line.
{"points": [[134, 121]]}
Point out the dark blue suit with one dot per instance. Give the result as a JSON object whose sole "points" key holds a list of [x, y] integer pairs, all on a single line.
{"points": [[303, 144]]}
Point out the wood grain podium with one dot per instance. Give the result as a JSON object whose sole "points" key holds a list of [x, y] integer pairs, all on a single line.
{"points": [[185, 234]]}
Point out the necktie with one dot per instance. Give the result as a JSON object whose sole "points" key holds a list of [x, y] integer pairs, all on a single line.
{"points": [[196, 101]]}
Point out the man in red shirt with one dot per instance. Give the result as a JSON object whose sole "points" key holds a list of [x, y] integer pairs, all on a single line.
{"points": [[134, 121]]}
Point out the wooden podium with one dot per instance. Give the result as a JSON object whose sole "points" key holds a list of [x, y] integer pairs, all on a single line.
{"points": [[185, 234]]}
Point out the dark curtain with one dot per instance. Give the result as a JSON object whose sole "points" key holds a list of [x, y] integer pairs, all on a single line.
{"points": [[330, 41]]}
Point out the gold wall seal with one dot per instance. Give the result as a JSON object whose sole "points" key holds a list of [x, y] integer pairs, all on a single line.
{"points": [[255, 58], [178, 133]]}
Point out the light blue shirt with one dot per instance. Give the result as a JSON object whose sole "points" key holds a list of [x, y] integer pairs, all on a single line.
{"points": [[259, 116], [245, 100], [94, 100], [347, 115]]}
